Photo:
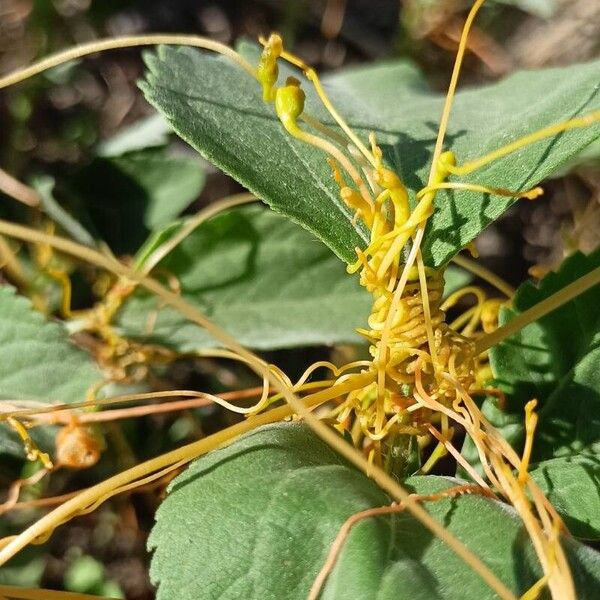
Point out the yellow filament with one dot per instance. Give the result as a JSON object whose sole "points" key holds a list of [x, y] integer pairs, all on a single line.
{"points": [[535, 590], [474, 187], [45, 413], [294, 130], [385, 334], [531, 420], [268, 71], [324, 130], [426, 310], [31, 450], [462, 46], [460, 459], [474, 313], [417, 219], [65, 282], [312, 76], [19, 191], [539, 310], [485, 274], [124, 42], [526, 140], [337, 371], [438, 452]]}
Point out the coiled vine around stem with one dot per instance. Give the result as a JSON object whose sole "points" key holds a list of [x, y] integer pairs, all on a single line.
{"points": [[423, 371]]}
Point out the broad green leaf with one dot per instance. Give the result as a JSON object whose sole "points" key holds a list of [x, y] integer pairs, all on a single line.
{"points": [[37, 360], [265, 280], [269, 506], [554, 360], [572, 484], [129, 196], [218, 109]]}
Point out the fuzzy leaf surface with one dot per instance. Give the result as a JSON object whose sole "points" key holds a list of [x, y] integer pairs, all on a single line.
{"points": [[218, 109], [267, 281], [572, 484], [37, 361], [554, 360], [270, 505]]}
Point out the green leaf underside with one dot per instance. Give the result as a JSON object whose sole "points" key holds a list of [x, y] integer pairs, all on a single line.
{"points": [[572, 484], [127, 197], [555, 360], [148, 132], [256, 520], [267, 281], [37, 360], [218, 109]]}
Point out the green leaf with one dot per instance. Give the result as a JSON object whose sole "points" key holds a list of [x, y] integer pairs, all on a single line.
{"points": [[218, 109], [269, 506], [37, 361], [572, 485], [454, 279], [148, 132], [129, 196], [265, 280], [554, 360], [44, 185]]}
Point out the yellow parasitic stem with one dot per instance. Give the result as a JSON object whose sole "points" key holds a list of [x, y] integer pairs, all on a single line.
{"points": [[59, 58]]}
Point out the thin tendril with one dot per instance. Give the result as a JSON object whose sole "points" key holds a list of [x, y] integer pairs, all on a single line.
{"points": [[452, 88], [124, 42], [485, 274], [313, 77], [47, 523], [193, 223], [538, 311]]}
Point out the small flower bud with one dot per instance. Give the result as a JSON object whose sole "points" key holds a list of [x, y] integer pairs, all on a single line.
{"points": [[267, 70], [289, 100]]}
